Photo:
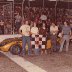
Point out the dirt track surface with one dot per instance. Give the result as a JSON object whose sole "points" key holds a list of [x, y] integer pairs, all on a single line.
{"points": [[6, 65], [55, 62]]}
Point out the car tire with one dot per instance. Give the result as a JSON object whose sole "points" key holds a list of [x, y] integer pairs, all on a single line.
{"points": [[15, 49]]}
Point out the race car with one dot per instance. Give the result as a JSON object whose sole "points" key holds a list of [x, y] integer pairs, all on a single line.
{"points": [[14, 45]]}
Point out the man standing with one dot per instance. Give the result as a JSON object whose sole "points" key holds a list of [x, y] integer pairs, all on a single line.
{"points": [[66, 32], [25, 31], [53, 33], [18, 19]]}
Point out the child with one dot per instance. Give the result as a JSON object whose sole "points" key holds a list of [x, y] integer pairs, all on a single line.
{"points": [[48, 45], [42, 44], [35, 44], [36, 50]]}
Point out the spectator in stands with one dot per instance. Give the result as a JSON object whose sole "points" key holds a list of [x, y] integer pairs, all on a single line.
{"points": [[18, 19], [31, 24], [2, 26], [0, 31], [53, 33], [48, 23], [71, 26], [25, 32], [1, 15], [9, 27], [43, 17], [66, 32]]}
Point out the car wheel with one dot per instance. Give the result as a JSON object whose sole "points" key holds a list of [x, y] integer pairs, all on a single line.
{"points": [[15, 49]]}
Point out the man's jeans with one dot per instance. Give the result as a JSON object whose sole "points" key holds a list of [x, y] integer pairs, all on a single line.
{"points": [[54, 42], [26, 40], [65, 38]]}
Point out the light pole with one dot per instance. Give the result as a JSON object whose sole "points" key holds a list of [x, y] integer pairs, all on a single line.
{"points": [[43, 3], [22, 7], [29, 3], [56, 8], [13, 19]]}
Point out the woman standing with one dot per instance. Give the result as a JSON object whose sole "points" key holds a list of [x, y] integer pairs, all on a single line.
{"points": [[35, 39], [43, 32]]}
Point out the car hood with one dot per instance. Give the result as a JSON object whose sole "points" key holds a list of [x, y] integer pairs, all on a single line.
{"points": [[9, 40]]}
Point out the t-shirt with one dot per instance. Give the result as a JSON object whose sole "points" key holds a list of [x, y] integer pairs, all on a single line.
{"points": [[34, 30], [18, 18], [1, 23], [66, 30], [43, 17], [53, 29], [25, 30]]}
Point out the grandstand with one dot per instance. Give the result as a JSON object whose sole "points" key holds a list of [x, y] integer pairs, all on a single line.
{"points": [[59, 10]]}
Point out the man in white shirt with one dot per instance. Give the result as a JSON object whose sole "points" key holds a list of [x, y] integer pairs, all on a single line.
{"points": [[25, 32], [53, 32]]}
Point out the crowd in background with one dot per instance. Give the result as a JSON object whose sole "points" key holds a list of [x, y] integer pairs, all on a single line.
{"points": [[5, 19], [32, 14], [43, 15]]}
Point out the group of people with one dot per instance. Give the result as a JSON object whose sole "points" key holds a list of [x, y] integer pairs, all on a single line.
{"points": [[40, 41]]}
